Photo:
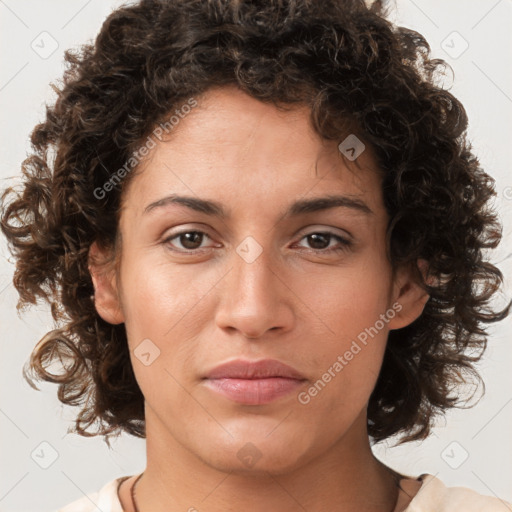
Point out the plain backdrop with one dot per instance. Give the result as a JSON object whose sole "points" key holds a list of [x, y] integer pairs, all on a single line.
{"points": [[42, 467]]}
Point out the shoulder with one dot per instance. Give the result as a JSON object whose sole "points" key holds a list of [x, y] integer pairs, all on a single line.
{"points": [[104, 500], [435, 496]]}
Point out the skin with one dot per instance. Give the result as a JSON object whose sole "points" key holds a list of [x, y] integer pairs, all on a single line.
{"points": [[296, 302]]}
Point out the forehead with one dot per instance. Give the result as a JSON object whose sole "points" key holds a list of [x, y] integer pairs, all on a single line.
{"points": [[235, 147]]}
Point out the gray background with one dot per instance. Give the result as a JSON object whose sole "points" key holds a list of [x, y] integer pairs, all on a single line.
{"points": [[473, 448]]}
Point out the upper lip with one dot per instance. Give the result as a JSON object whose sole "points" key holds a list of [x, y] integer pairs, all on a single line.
{"points": [[244, 369]]}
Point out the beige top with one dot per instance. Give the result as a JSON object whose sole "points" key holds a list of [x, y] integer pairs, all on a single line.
{"points": [[432, 496]]}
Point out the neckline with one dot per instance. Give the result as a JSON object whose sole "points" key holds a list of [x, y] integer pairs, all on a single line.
{"points": [[408, 490], [405, 496]]}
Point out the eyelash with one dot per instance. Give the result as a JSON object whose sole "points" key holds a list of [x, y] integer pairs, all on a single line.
{"points": [[345, 244]]}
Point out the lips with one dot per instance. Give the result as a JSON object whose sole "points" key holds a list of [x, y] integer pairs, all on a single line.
{"points": [[254, 382], [265, 368]]}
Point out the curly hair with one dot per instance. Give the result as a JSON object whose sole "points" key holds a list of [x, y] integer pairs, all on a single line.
{"points": [[344, 60]]}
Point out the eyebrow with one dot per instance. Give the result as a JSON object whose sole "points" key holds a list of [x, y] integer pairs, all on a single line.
{"points": [[297, 208]]}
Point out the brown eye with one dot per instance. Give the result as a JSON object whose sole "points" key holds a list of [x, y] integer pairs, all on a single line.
{"points": [[189, 240], [320, 241]]}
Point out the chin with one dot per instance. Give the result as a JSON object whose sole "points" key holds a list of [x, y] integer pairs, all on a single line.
{"points": [[258, 454]]}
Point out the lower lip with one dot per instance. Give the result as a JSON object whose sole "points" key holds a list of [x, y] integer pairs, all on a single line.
{"points": [[254, 391]]}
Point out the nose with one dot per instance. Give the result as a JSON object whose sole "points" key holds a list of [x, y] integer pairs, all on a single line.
{"points": [[255, 297]]}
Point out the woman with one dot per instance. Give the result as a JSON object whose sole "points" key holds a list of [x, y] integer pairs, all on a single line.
{"points": [[261, 231]]}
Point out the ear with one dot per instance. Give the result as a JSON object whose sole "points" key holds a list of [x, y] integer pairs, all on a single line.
{"points": [[106, 297], [410, 298]]}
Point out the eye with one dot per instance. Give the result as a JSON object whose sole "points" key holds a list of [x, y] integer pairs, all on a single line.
{"points": [[320, 240], [189, 240]]}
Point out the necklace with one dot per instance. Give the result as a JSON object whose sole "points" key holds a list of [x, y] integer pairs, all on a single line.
{"points": [[136, 508], [132, 493]]}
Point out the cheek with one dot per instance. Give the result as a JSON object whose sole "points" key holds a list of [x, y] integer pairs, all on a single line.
{"points": [[347, 374], [159, 299], [347, 301], [353, 308], [166, 308], [161, 308]]}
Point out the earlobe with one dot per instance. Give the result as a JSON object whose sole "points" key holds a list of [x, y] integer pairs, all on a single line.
{"points": [[106, 299], [409, 296]]}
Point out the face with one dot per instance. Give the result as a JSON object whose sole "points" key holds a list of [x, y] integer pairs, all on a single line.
{"points": [[269, 278]]}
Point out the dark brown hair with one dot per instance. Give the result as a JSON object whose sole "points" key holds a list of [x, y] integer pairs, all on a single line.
{"points": [[344, 61]]}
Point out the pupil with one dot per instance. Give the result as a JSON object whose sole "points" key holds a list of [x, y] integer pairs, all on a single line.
{"points": [[318, 236], [188, 237]]}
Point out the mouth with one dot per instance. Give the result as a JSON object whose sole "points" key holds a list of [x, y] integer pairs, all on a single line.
{"points": [[253, 382]]}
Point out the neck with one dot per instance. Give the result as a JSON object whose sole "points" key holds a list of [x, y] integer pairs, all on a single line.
{"points": [[346, 477]]}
